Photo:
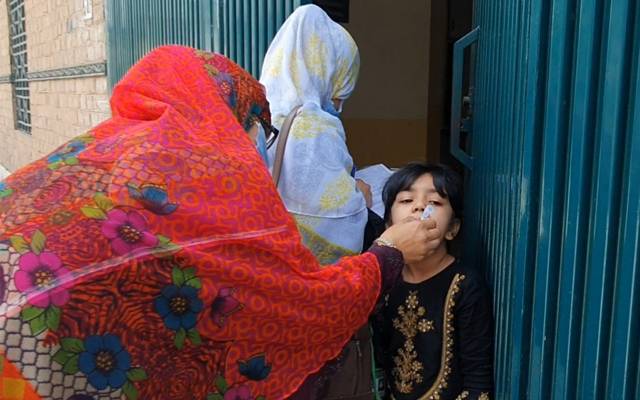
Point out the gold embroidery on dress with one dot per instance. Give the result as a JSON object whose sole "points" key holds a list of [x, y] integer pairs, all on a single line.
{"points": [[484, 396], [408, 369], [441, 381], [463, 395], [447, 342]]}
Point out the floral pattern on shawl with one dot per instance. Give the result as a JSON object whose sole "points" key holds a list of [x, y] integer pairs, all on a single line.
{"points": [[158, 237]]}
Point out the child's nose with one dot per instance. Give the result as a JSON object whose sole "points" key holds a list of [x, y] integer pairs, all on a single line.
{"points": [[419, 207]]}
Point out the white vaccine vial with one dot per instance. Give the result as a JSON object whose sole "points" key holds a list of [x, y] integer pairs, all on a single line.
{"points": [[427, 212]]}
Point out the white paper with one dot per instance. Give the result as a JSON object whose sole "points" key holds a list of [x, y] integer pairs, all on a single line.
{"points": [[375, 176]]}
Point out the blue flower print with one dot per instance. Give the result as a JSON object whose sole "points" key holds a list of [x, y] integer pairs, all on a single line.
{"points": [[104, 361], [153, 197], [255, 368], [227, 89], [68, 151], [4, 190], [178, 306]]}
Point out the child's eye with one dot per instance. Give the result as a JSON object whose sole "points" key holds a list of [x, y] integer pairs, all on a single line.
{"points": [[405, 201], [435, 203]]}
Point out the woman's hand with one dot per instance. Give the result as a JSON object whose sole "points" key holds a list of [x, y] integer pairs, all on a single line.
{"points": [[365, 189], [416, 239]]}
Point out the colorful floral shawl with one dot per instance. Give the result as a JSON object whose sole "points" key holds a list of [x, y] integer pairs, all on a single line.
{"points": [[152, 258]]}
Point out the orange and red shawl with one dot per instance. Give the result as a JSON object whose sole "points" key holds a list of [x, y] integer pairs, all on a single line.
{"points": [[152, 258]]}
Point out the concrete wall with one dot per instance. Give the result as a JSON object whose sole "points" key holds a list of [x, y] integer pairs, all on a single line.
{"points": [[386, 118], [59, 35]]}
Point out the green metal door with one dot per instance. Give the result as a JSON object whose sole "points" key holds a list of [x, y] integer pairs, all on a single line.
{"points": [[553, 193], [244, 28], [239, 29]]}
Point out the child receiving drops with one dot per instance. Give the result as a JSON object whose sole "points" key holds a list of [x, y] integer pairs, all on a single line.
{"points": [[434, 331]]}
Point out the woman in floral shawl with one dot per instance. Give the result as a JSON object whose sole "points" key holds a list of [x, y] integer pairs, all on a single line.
{"points": [[152, 258]]}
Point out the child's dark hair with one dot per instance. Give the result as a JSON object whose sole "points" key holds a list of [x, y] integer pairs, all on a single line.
{"points": [[446, 181]]}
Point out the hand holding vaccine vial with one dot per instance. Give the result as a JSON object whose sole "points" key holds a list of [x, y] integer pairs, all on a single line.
{"points": [[427, 212]]}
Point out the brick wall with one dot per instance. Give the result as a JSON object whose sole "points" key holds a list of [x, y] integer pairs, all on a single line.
{"points": [[58, 36], [5, 61]]}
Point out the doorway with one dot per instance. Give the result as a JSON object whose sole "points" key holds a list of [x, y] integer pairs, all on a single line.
{"points": [[400, 109]]}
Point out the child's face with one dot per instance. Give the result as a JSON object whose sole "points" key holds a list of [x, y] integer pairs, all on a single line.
{"points": [[412, 202]]}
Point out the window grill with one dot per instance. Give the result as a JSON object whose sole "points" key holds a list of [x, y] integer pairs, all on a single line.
{"points": [[20, 83]]}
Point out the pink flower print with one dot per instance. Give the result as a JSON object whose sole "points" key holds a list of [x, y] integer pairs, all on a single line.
{"points": [[238, 393], [51, 195], [224, 305], [127, 231], [41, 272]]}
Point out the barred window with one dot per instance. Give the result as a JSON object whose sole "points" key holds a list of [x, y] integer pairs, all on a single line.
{"points": [[20, 83]]}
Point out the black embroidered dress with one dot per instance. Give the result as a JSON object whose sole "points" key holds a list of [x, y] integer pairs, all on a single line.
{"points": [[434, 339]]}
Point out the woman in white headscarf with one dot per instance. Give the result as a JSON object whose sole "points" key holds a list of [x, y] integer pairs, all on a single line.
{"points": [[313, 64]]}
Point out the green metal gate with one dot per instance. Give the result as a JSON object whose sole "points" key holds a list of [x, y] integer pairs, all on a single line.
{"points": [[553, 194], [239, 29], [246, 28], [136, 27]]}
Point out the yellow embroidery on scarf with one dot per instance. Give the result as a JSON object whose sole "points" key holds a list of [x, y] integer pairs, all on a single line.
{"points": [[275, 63], [294, 72], [338, 193], [315, 54], [341, 74], [308, 126], [325, 251], [345, 74]]}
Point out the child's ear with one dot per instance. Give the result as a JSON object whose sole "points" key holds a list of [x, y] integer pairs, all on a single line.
{"points": [[454, 228]]}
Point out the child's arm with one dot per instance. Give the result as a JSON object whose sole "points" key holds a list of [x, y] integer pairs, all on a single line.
{"points": [[474, 323]]}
